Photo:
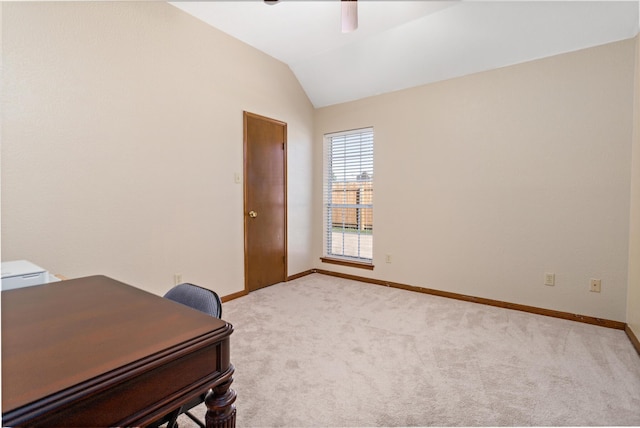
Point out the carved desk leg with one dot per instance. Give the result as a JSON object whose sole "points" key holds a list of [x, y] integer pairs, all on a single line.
{"points": [[221, 412]]}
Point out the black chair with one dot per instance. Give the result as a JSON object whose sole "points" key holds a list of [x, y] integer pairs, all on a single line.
{"points": [[196, 297], [203, 300]]}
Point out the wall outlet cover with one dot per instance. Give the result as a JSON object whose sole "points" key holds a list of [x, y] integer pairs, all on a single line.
{"points": [[549, 279]]}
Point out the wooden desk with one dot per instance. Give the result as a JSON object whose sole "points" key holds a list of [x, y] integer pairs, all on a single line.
{"points": [[96, 352]]}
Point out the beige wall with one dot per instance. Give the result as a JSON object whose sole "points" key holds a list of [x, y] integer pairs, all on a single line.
{"points": [[121, 135], [122, 132], [633, 299], [485, 182]]}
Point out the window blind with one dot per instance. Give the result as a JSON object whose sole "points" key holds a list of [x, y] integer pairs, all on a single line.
{"points": [[349, 195]]}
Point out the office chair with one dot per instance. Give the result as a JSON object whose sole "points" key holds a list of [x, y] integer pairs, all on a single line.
{"points": [[203, 300], [196, 297]]}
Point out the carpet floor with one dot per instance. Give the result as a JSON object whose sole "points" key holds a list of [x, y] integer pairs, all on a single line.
{"points": [[328, 352]]}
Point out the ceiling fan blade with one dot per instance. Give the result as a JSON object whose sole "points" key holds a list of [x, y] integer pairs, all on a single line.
{"points": [[349, 15]]}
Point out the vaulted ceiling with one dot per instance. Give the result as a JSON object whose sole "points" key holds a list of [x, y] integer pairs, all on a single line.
{"points": [[401, 44]]}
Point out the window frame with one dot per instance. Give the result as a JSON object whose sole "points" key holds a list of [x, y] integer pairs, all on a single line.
{"points": [[364, 139]]}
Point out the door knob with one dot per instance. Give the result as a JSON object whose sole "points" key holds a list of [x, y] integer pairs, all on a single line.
{"points": [[253, 214]]}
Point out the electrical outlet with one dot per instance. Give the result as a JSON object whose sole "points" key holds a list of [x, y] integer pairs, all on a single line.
{"points": [[549, 279], [596, 285], [387, 258], [177, 278]]}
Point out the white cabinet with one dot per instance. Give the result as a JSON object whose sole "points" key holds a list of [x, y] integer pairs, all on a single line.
{"points": [[23, 273]]}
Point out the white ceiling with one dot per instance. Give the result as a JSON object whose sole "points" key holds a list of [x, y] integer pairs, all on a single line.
{"points": [[401, 44]]}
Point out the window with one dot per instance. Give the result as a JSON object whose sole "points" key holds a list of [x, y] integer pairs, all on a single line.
{"points": [[348, 197]]}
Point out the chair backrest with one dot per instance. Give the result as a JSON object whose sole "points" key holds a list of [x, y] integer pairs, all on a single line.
{"points": [[196, 297]]}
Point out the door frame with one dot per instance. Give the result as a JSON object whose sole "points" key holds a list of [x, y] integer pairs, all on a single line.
{"points": [[245, 216]]}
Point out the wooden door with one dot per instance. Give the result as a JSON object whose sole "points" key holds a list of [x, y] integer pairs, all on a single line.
{"points": [[265, 201]]}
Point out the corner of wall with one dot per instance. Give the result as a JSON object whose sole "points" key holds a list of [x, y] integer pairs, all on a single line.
{"points": [[633, 288], [1, 108]]}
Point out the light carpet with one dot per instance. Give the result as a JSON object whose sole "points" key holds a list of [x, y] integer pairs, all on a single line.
{"points": [[327, 352]]}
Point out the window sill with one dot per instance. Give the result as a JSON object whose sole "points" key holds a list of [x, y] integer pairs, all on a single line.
{"points": [[359, 265]]}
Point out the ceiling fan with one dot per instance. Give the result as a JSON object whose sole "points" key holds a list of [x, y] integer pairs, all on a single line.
{"points": [[349, 14]]}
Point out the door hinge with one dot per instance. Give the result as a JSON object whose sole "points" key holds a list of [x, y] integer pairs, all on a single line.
{"points": [[282, 146]]}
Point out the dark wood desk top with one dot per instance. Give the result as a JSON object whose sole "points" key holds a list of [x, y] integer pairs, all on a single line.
{"points": [[84, 333]]}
